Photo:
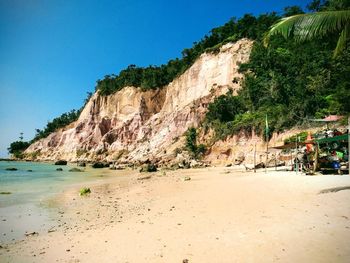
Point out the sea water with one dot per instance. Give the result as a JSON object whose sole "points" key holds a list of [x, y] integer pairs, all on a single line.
{"points": [[24, 191]]}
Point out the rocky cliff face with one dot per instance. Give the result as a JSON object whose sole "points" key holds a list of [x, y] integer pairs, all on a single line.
{"points": [[132, 125]]}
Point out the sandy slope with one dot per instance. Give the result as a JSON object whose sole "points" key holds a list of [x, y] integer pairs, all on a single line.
{"points": [[221, 215]]}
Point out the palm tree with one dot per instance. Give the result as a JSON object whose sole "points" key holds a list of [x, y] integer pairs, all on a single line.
{"points": [[305, 27]]}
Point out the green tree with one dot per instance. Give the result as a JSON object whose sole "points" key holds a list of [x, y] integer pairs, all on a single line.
{"points": [[17, 148], [191, 143]]}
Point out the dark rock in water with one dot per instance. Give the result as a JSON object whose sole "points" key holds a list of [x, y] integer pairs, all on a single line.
{"points": [[5, 193], [100, 165], [59, 169], [61, 162], [11, 169], [29, 170], [75, 170], [82, 164]]}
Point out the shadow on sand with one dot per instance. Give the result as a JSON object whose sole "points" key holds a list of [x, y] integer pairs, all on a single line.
{"points": [[334, 190]]}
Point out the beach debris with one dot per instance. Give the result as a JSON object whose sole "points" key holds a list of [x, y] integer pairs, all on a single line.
{"points": [[75, 170], [11, 169], [59, 169], [117, 167], [84, 191], [61, 162], [144, 177], [52, 229], [185, 260], [31, 234], [5, 193], [187, 178]]}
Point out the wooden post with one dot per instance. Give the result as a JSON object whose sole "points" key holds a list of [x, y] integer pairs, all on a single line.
{"points": [[255, 157], [267, 152], [275, 161], [296, 167], [315, 158]]}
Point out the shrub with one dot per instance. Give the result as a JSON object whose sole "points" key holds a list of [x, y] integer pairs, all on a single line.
{"points": [[191, 144], [84, 191]]}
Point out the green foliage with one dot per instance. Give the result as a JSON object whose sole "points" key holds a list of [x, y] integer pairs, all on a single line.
{"points": [[16, 148], [300, 137], [191, 140], [333, 19], [191, 143], [84, 191], [201, 149], [57, 123], [292, 10], [225, 108], [153, 77], [288, 81], [60, 122]]}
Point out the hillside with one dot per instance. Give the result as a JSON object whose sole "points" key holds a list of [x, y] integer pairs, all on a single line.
{"points": [[226, 85], [133, 125]]}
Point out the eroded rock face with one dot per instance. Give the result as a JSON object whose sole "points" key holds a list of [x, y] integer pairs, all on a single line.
{"points": [[132, 126]]}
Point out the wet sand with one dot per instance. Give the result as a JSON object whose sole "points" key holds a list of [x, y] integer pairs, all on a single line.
{"points": [[220, 215]]}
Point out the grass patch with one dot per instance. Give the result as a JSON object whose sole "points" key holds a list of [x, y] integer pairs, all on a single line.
{"points": [[84, 191]]}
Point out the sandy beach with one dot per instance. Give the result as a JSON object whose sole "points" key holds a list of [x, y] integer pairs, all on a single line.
{"points": [[220, 215]]}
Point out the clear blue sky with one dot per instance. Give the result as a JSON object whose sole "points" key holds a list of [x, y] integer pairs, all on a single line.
{"points": [[52, 52]]}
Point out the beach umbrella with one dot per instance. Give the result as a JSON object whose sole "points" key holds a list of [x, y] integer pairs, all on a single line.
{"points": [[331, 118]]}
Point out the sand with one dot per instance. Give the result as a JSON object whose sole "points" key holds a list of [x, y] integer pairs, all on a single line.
{"points": [[220, 215]]}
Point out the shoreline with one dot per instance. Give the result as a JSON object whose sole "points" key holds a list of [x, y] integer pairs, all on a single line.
{"points": [[29, 206], [220, 213]]}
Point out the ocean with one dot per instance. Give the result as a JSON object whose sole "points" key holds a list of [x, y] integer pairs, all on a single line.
{"points": [[24, 193]]}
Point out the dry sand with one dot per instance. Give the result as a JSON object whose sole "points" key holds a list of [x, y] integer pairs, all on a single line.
{"points": [[220, 215]]}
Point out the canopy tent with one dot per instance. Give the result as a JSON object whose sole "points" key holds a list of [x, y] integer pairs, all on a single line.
{"points": [[343, 137]]}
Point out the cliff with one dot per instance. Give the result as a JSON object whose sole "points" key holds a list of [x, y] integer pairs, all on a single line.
{"points": [[131, 125]]}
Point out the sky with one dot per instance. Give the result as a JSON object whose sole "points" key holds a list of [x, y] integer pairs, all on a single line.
{"points": [[52, 52]]}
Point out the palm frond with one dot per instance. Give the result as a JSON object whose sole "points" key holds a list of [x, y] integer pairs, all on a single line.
{"points": [[344, 36], [308, 26]]}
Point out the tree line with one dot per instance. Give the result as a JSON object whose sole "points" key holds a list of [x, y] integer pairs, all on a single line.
{"points": [[153, 77], [287, 81]]}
